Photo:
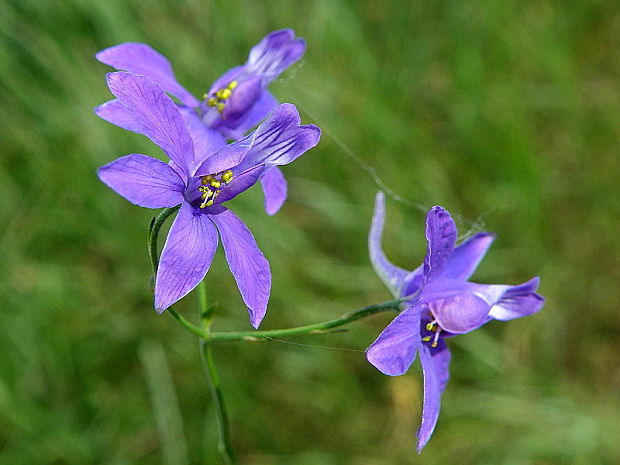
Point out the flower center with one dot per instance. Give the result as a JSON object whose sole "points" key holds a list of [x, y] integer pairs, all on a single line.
{"points": [[434, 327], [212, 185], [218, 100]]}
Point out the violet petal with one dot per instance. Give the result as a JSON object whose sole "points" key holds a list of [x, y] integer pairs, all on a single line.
{"points": [[247, 263], [116, 113], [144, 60], [518, 301], [280, 139], [240, 184], [228, 156], [206, 140], [466, 257], [276, 52], [461, 313], [435, 377], [186, 256], [156, 114], [275, 189], [143, 180], [265, 104], [395, 349], [441, 235]]}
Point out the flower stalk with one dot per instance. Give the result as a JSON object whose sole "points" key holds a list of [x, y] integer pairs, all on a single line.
{"points": [[208, 362]]}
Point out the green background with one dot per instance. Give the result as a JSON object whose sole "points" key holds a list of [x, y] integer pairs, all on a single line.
{"points": [[505, 112]]}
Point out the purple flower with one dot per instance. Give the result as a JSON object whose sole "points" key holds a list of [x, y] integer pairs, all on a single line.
{"points": [[441, 303], [236, 102], [201, 183]]}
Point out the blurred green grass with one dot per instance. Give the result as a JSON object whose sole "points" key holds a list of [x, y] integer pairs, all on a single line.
{"points": [[507, 113]]}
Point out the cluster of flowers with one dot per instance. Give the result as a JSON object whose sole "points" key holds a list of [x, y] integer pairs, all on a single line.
{"points": [[214, 158]]}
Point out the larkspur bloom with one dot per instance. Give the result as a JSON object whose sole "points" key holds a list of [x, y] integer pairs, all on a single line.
{"points": [[441, 302], [201, 183], [237, 101]]}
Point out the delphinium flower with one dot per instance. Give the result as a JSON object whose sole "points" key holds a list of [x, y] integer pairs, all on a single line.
{"points": [[236, 102], [441, 303], [201, 183]]}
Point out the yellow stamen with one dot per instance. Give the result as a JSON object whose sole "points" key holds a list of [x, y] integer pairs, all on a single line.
{"points": [[225, 93], [434, 344], [208, 202], [227, 176], [220, 107], [429, 326], [215, 183], [212, 102], [232, 85], [206, 179], [426, 339]]}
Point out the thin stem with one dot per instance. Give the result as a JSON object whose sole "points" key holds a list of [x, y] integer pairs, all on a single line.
{"points": [[206, 318], [317, 328]]}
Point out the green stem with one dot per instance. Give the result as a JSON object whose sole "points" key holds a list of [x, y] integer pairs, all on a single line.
{"points": [[206, 319], [317, 328]]}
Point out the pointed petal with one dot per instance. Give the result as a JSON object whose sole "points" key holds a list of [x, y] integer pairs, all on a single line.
{"points": [[186, 257], [441, 235], [392, 276], [274, 187], [247, 263], [206, 140], [115, 112], [461, 313], [280, 139], [436, 374], [276, 52], [518, 301], [466, 257], [395, 349], [156, 114], [142, 59], [265, 104], [143, 180]]}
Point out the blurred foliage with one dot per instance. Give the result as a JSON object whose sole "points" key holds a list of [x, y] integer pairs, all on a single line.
{"points": [[506, 113]]}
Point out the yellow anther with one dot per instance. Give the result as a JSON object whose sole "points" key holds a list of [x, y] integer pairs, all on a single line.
{"points": [[206, 180], [212, 102], [206, 194], [434, 344], [220, 94], [210, 202], [204, 96], [225, 93], [426, 339], [232, 85], [227, 176], [220, 107], [429, 326], [215, 183]]}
